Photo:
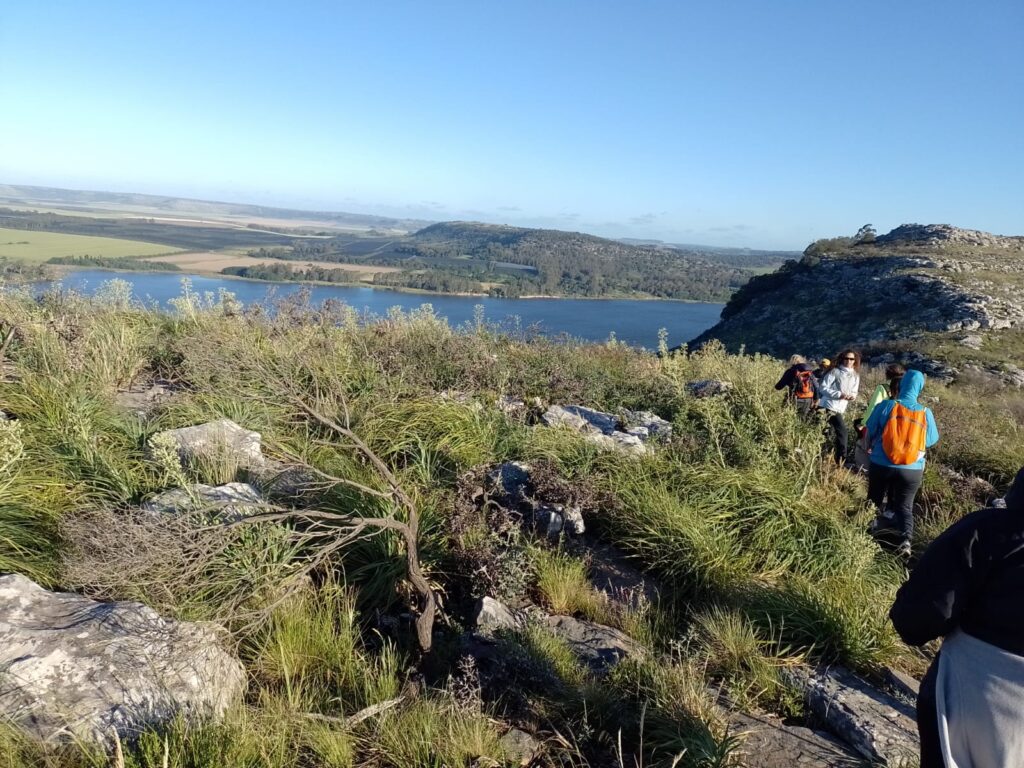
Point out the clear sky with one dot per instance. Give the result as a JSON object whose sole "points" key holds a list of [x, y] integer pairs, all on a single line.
{"points": [[726, 122]]}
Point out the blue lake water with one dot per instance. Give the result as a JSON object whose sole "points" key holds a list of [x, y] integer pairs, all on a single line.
{"points": [[634, 322]]}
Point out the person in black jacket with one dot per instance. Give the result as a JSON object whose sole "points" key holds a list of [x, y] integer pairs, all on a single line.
{"points": [[801, 385], [969, 581]]}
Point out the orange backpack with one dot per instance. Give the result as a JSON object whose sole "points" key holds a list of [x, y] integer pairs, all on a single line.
{"points": [[904, 435]]}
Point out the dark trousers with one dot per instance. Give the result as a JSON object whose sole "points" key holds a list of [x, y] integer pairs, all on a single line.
{"points": [[928, 720], [835, 420], [901, 486]]}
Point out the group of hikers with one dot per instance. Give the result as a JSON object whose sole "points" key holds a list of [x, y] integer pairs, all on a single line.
{"points": [[966, 587]]}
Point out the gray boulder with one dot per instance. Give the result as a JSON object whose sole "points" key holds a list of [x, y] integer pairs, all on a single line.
{"points": [[509, 482], [555, 519], [581, 419], [597, 427], [597, 645], [493, 616], [768, 743], [647, 425], [231, 501], [520, 746], [75, 669], [879, 727], [215, 441]]}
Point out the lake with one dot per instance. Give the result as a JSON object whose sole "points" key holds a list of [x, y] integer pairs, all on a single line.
{"points": [[632, 321]]}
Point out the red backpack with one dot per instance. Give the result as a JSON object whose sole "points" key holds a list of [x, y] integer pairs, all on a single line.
{"points": [[903, 436], [803, 385]]}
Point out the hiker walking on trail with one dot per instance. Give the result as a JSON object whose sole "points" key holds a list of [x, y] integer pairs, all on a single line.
{"points": [[801, 385], [840, 385], [967, 589], [899, 431]]}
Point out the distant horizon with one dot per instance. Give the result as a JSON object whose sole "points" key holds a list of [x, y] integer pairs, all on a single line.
{"points": [[727, 124], [331, 211]]}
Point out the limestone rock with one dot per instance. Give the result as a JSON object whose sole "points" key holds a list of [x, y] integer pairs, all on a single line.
{"points": [[493, 615], [554, 519], [879, 727], [509, 482], [767, 743], [78, 669], [599, 646], [580, 419], [287, 482], [598, 427], [215, 441], [231, 501], [647, 425], [520, 746]]}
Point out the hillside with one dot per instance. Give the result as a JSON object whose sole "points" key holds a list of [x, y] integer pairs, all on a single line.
{"points": [[513, 261], [395, 544], [945, 298]]}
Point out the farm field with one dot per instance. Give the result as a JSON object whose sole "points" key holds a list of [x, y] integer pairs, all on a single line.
{"points": [[215, 261], [35, 247]]}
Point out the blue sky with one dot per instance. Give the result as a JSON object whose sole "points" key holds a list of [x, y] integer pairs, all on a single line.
{"points": [[726, 122]]}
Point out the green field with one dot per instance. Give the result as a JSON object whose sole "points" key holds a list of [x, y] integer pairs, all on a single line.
{"points": [[36, 247]]}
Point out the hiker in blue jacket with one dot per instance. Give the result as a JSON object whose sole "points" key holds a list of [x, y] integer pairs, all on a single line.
{"points": [[900, 480]]}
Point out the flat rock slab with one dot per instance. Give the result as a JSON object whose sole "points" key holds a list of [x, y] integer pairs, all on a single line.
{"points": [[215, 441], [597, 427], [231, 501], [878, 726], [767, 743], [78, 669], [597, 645]]}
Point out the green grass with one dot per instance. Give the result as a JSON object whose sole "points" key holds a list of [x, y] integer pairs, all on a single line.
{"points": [[36, 247], [758, 544]]}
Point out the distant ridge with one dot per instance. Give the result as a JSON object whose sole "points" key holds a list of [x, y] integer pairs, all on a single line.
{"points": [[14, 194]]}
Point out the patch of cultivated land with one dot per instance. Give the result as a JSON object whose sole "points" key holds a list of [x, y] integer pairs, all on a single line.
{"points": [[215, 261], [36, 247]]}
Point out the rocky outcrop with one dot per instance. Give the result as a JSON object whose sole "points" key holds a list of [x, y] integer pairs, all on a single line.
{"points": [[216, 441], [917, 289], [879, 727], [231, 501], [766, 742], [597, 645], [494, 616], [944, 234], [607, 430], [78, 669]]}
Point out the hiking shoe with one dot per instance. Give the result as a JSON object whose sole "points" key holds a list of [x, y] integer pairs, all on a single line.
{"points": [[904, 550]]}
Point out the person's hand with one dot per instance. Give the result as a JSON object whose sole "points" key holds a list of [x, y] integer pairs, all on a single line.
{"points": [[849, 397]]}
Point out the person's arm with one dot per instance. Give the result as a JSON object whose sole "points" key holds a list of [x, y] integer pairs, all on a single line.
{"points": [[829, 387], [931, 602], [876, 421], [787, 378], [932, 435]]}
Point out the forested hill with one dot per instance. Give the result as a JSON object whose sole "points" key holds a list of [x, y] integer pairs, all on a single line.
{"points": [[515, 261]]}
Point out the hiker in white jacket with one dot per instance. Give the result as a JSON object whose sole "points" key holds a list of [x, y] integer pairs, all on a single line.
{"points": [[838, 388]]}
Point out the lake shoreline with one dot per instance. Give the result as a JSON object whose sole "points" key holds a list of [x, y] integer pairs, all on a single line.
{"points": [[63, 269]]}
